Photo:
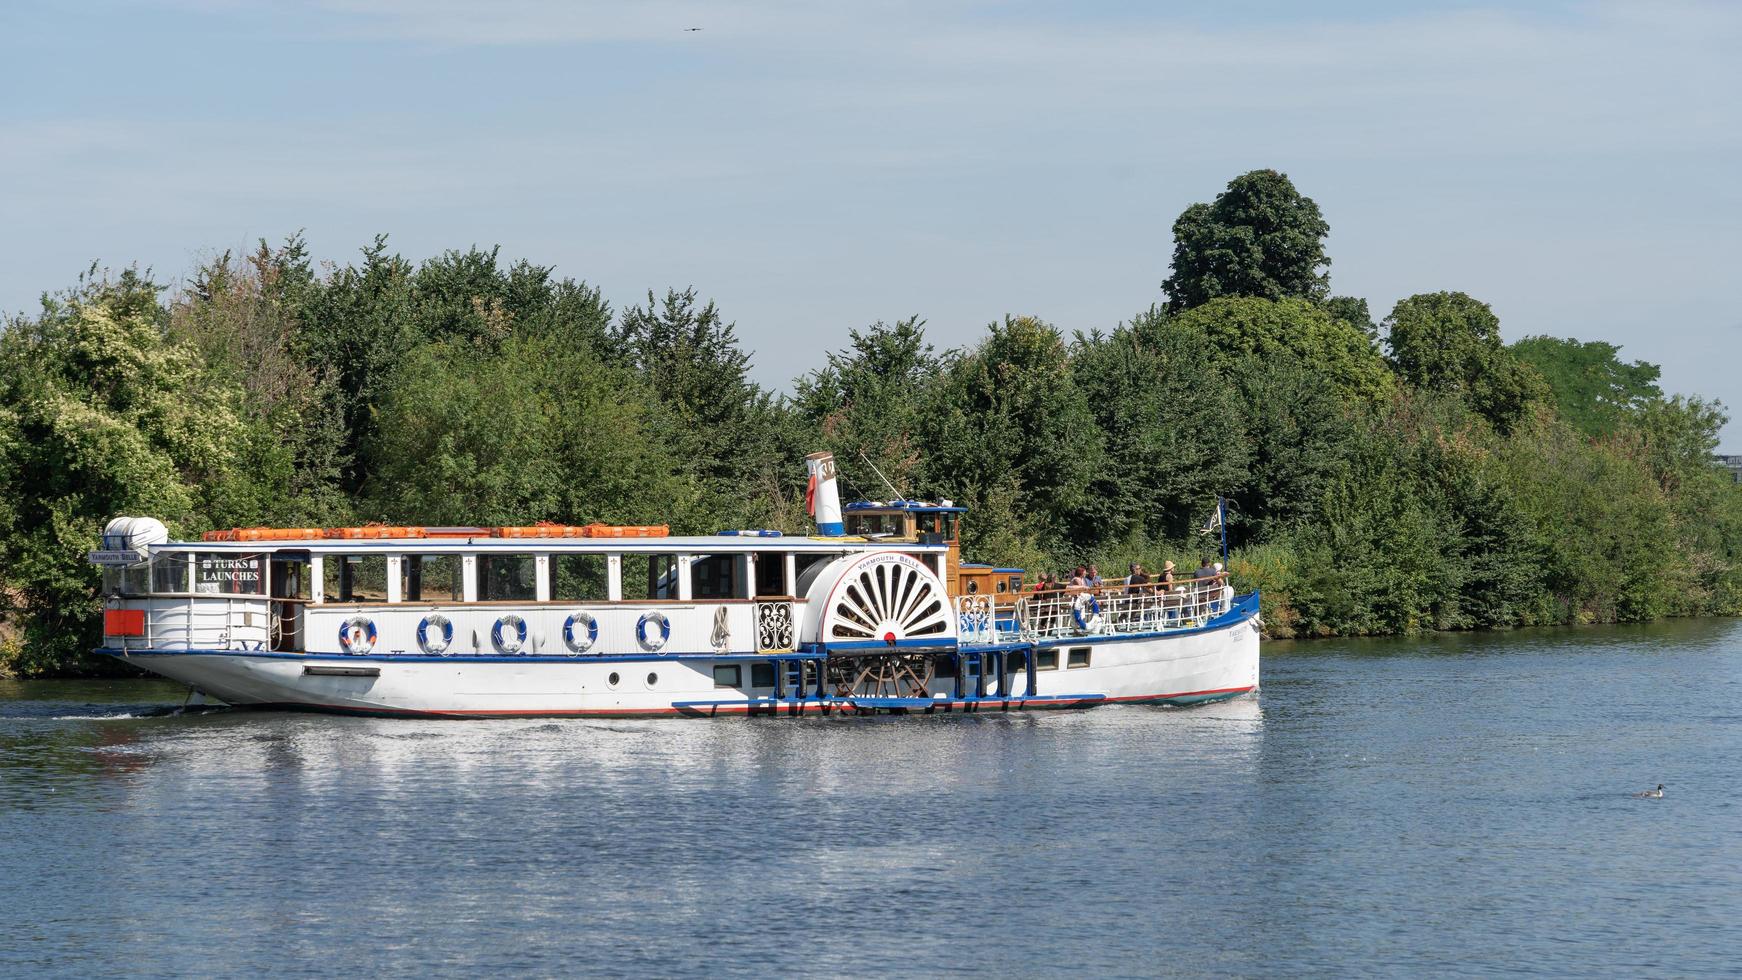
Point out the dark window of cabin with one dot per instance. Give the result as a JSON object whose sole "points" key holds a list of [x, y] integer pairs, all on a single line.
{"points": [[578, 578], [431, 578], [1003, 585], [1079, 657], [714, 577], [355, 578], [929, 523], [1016, 583], [507, 578], [944, 666], [771, 573], [1016, 661], [761, 675], [636, 578], [949, 531], [727, 675], [1046, 660]]}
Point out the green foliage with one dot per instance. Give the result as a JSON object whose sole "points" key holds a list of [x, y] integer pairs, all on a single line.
{"points": [[1450, 342], [1242, 330], [1259, 238], [1593, 388]]}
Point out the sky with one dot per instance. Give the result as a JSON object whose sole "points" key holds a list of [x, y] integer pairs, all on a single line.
{"points": [[816, 167]]}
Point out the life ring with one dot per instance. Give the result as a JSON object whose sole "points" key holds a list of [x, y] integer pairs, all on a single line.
{"points": [[654, 639], [1086, 612], [357, 635], [437, 645], [507, 644], [580, 632]]}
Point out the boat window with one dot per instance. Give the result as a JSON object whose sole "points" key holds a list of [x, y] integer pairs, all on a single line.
{"points": [[1046, 660], [170, 572], [944, 665], [928, 523], [771, 573], [949, 531], [578, 578], [1016, 661], [127, 579], [217, 573], [506, 578], [431, 578], [726, 675], [355, 578], [761, 675], [715, 577], [1003, 585], [1079, 657], [649, 577]]}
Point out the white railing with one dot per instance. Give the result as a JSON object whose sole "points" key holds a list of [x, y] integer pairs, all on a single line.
{"points": [[1118, 609]]}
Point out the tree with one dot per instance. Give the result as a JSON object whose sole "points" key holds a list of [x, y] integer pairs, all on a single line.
{"points": [[1353, 311], [1260, 238], [1236, 330], [869, 399], [1450, 342], [1593, 388], [1174, 434], [1012, 436], [101, 414]]}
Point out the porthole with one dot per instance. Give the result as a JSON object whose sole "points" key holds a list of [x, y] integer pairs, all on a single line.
{"points": [[652, 679], [613, 679]]}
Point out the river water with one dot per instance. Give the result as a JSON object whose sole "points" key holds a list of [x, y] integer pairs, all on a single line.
{"points": [[1449, 805]]}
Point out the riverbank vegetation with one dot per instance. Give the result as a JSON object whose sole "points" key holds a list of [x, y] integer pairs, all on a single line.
{"points": [[1418, 473]]}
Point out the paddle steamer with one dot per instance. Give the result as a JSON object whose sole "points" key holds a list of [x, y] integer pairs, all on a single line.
{"points": [[874, 612]]}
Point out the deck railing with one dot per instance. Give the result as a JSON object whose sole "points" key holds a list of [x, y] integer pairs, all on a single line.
{"points": [[1108, 610]]}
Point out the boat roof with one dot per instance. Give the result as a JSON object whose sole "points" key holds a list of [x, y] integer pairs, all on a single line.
{"points": [[707, 543], [915, 506]]}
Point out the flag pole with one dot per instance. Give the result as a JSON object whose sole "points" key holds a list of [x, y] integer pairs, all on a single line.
{"points": [[1222, 522]]}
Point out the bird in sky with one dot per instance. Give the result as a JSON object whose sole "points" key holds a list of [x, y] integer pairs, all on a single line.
{"points": [[689, 29]]}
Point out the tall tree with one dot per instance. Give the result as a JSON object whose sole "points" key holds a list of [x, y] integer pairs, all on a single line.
{"points": [[1260, 237], [1236, 330], [1593, 388], [1450, 342], [869, 398]]}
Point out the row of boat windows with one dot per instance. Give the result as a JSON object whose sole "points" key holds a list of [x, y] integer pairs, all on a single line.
{"points": [[441, 577], [762, 674]]}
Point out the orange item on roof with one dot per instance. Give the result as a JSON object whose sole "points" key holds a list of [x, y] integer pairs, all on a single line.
{"points": [[264, 534], [543, 529], [625, 531], [375, 532]]}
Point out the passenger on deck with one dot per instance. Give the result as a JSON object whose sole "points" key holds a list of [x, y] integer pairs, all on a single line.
{"points": [[1166, 575], [1094, 577], [1206, 570], [1080, 578], [1138, 581]]}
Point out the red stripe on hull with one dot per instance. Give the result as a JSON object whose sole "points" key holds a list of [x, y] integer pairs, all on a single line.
{"points": [[774, 708]]}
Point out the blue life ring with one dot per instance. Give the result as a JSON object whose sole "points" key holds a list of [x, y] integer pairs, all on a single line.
{"points": [[1093, 605], [357, 635], [580, 640], [438, 645], [509, 645], [655, 640]]}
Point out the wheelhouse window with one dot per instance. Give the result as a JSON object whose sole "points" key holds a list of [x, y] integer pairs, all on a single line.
{"points": [[127, 580], [355, 578], [218, 573], [771, 573], [431, 578], [715, 577], [729, 675], [873, 525], [578, 578], [507, 578], [171, 573]]}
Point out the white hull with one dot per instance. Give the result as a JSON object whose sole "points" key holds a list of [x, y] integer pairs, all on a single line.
{"points": [[1181, 667]]}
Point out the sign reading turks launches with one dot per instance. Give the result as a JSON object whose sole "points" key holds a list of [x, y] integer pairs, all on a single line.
{"points": [[228, 575]]}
